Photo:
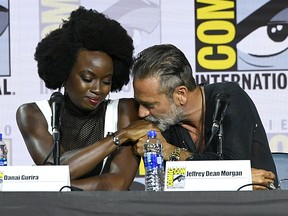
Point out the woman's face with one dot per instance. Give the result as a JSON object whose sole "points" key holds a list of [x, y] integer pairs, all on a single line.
{"points": [[90, 79]]}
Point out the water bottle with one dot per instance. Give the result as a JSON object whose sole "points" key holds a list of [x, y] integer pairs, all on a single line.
{"points": [[3, 152], [153, 162]]}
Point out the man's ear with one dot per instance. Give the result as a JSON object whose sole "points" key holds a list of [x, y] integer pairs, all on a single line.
{"points": [[180, 95]]}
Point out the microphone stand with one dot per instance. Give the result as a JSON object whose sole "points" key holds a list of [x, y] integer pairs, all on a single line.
{"points": [[56, 150], [220, 142]]}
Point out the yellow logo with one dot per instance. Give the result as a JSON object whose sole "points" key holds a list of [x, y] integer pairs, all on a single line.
{"points": [[176, 177]]}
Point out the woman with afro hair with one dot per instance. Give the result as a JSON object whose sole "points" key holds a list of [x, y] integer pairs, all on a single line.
{"points": [[89, 56]]}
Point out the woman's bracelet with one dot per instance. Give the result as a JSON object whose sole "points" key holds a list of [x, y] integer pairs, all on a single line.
{"points": [[115, 139]]}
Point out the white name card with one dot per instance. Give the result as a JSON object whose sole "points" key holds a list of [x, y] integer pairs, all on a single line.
{"points": [[34, 178], [220, 175]]}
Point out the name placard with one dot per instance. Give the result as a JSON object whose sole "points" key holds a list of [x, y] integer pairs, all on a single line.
{"points": [[224, 175], [34, 178]]}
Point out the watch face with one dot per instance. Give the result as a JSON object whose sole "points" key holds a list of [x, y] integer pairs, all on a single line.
{"points": [[175, 155], [174, 158]]}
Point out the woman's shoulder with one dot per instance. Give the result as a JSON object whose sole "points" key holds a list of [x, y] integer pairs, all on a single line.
{"points": [[28, 112], [28, 108], [127, 102], [128, 106]]}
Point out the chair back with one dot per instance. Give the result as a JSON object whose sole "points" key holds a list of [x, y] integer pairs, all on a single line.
{"points": [[281, 163]]}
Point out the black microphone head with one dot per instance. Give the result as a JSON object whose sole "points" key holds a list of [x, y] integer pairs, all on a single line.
{"points": [[221, 104], [57, 97], [56, 104], [223, 97]]}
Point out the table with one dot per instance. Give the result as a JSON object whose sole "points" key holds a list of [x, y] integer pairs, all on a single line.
{"points": [[273, 202]]}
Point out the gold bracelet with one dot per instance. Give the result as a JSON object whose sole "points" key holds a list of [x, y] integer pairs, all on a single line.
{"points": [[175, 155]]}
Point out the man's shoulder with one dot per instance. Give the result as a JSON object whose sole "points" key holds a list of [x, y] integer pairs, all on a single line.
{"points": [[223, 87]]}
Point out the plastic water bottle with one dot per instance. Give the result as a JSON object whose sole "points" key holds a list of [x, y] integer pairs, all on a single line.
{"points": [[153, 162], [3, 152]]}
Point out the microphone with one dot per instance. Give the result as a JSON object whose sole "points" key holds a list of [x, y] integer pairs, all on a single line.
{"points": [[56, 104], [222, 102]]}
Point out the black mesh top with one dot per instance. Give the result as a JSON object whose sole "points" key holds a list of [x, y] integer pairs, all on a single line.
{"points": [[80, 129]]}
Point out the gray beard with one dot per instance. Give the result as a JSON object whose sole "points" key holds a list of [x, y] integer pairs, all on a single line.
{"points": [[164, 122]]}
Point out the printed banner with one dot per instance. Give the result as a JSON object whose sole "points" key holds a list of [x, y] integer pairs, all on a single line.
{"points": [[209, 175], [225, 40], [34, 178]]}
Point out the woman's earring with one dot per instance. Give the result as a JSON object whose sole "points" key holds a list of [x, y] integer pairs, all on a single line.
{"points": [[63, 86], [107, 97]]}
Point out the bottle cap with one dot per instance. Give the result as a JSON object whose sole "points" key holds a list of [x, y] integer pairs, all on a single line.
{"points": [[152, 134]]}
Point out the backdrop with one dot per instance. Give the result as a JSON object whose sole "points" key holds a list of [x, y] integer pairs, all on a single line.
{"points": [[243, 41]]}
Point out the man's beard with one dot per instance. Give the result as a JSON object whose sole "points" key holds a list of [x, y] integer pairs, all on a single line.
{"points": [[175, 115]]}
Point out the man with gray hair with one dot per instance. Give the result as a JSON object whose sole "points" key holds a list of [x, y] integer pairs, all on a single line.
{"points": [[184, 111]]}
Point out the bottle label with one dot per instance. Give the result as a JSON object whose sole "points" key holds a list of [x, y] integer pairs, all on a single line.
{"points": [[3, 155], [3, 162], [152, 160]]}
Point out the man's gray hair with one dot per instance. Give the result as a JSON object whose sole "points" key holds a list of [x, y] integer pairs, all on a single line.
{"points": [[166, 62]]}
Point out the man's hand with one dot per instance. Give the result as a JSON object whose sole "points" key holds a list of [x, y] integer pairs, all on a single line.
{"points": [[167, 148], [262, 177], [138, 129]]}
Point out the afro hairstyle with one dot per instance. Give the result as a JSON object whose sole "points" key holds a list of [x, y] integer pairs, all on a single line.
{"points": [[85, 29]]}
